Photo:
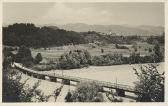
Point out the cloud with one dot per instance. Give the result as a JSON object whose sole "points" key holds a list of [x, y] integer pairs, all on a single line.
{"points": [[89, 13], [62, 14]]}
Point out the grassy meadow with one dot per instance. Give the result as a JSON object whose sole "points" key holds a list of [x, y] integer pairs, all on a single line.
{"points": [[93, 49]]}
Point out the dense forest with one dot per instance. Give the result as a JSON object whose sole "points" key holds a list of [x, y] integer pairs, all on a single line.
{"points": [[32, 36]]}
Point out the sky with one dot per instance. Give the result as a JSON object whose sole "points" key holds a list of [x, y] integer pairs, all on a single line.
{"points": [[88, 13]]}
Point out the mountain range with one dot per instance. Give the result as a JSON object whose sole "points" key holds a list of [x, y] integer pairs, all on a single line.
{"points": [[125, 30]]}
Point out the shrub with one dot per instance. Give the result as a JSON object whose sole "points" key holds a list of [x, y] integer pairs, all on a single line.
{"points": [[7, 52], [85, 92], [27, 61], [158, 55], [134, 57], [150, 84], [14, 91], [108, 59], [38, 58], [75, 59], [24, 56], [102, 50]]}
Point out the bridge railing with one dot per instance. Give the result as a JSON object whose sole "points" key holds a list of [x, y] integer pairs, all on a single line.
{"points": [[78, 79]]}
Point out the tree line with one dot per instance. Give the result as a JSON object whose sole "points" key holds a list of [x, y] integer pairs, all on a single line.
{"points": [[32, 36], [150, 83]]}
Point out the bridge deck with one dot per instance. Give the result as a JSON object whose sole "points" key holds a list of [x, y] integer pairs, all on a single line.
{"points": [[78, 79]]}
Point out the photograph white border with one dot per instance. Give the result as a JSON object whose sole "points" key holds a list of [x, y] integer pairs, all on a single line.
{"points": [[90, 104]]}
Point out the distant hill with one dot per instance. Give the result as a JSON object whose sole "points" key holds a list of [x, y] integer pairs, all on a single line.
{"points": [[32, 36], [46, 36], [124, 30]]}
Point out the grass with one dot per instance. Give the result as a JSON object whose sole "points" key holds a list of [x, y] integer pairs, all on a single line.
{"points": [[56, 52]]}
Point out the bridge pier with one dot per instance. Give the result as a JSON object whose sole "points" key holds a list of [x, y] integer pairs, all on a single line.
{"points": [[120, 92], [42, 77], [53, 79], [35, 75], [66, 81], [29, 73], [24, 72]]}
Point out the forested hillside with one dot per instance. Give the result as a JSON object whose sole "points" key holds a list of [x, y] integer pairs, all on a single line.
{"points": [[32, 36], [36, 37]]}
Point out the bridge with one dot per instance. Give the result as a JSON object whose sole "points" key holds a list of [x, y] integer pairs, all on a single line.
{"points": [[120, 88]]}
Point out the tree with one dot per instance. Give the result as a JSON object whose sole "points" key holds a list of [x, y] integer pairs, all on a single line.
{"points": [[134, 46], [134, 57], [157, 56], [150, 50], [116, 45], [15, 91], [102, 50], [32, 36], [7, 58], [68, 97], [57, 92], [85, 92], [38, 58], [75, 59], [24, 56], [150, 84]]}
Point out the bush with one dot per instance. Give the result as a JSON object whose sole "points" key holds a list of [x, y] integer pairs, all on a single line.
{"points": [[85, 92], [24, 56], [75, 59], [158, 55], [150, 84], [27, 61], [38, 58], [14, 91], [135, 58], [108, 59]]}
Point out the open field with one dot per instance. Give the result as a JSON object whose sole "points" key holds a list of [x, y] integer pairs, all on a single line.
{"points": [[93, 49]]}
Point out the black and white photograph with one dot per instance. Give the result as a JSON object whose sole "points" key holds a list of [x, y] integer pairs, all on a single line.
{"points": [[64, 52]]}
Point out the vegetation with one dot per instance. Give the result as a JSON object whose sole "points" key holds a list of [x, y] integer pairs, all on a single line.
{"points": [[93, 36], [24, 56], [85, 92], [111, 96], [154, 39], [109, 59], [32, 36], [150, 84], [158, 56], [57, 92], [75, 59], [38, 58], [82, 58], [15, 91], [7, 58]]}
